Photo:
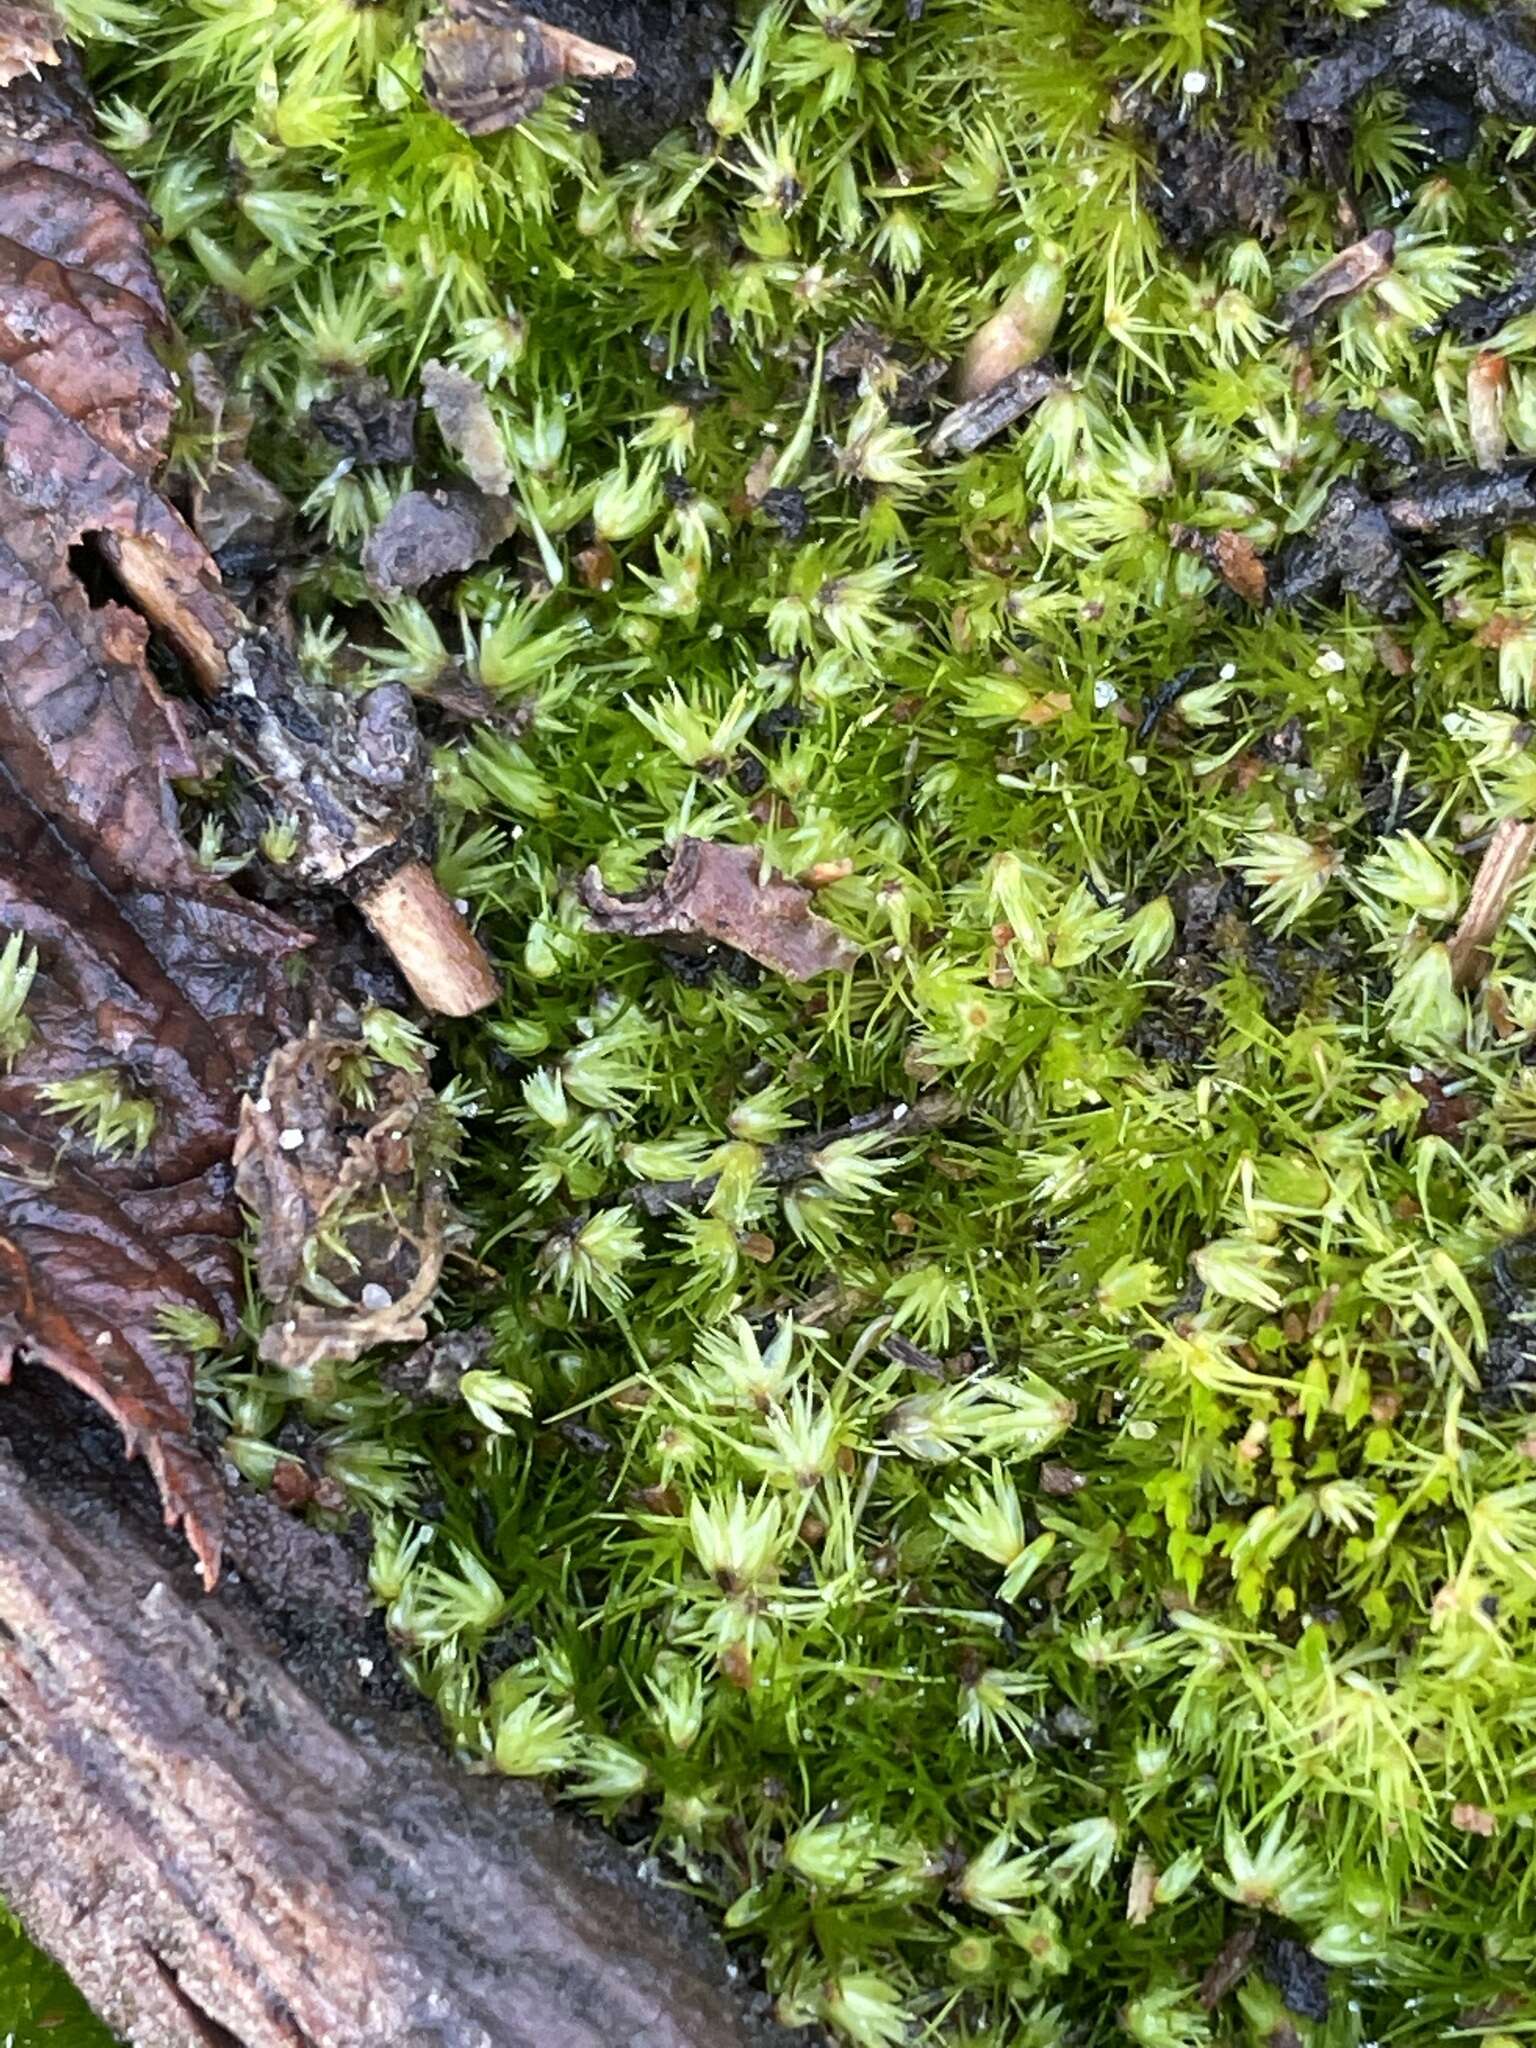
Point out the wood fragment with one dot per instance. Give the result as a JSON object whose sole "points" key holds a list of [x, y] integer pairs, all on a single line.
{"points": [[1343, 277], [230, 1823], [1499, 876], [487, 66], [432, 945], [979, 420]]}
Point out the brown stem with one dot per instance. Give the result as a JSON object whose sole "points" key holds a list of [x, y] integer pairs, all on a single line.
{"points": [[434, 948], [1498, 877]]}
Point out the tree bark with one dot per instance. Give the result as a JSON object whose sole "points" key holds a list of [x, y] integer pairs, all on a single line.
{"points": [[225, 1817]]}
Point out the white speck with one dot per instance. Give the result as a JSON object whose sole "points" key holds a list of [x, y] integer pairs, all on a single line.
{"points": [[104, 1338], [263, 1105], [365, 1667], [291, 1139], [1194, 83], [1105, 694], [1331, 662], [461, 905], [901, 1110], [375, 1297], [1137, 763], [1227, 671]]}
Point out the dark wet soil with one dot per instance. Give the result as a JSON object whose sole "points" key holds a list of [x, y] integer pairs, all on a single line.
{"points": [[677, 45]]}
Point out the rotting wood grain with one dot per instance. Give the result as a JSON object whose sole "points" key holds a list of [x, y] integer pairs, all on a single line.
{"points": [[223, 1848]]}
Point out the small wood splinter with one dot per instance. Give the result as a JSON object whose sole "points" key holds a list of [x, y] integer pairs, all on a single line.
{"points": [[487, 66]]}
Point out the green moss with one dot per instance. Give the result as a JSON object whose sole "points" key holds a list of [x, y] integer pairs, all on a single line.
{"points": [[986, 1706]]}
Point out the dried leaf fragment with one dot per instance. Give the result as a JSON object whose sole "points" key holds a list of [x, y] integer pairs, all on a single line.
{"points": [[467, 424], [713, 894], [351, 1205], [1474, 1820], [1499, 875], [1342, 277], [153, 980], [1240, 566], [426, 534], [1487, 387], [487, 66]]}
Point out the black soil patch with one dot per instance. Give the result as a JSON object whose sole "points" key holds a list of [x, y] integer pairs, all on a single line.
{"points": [[677, 45]]}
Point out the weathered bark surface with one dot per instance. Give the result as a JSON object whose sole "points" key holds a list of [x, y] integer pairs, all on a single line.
{"points": [[225, 1818]]}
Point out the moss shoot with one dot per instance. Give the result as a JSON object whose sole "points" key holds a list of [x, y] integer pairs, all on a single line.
{"points": [[1065, 1570]]}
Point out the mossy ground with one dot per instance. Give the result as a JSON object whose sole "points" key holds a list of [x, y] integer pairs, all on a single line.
{"points": [[966, 1745]]}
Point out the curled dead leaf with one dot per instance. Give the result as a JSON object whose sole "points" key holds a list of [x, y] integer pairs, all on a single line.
{"points": [[713, 894], [1342, 277], [350, 1202], [152, 979]]}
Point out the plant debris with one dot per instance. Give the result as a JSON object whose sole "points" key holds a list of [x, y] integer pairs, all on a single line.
{"points": [[31, 39], [714, 894], [982, 419], [1343, 277], [1392, 445], [1480, 315], [427, 534], [1500, 872], [1350, 548], [367, 422], [155, 986], [1230, 1967], [468, 426], [1456, 505], [487, 65], [1300, 1978], [341, 1168], [1419, 40]]}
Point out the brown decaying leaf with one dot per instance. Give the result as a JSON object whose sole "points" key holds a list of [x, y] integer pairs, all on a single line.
{"points": [[147, 968], [351, 1207], [487, 66], [1240, 565], [1230, 1967], [1500, 873], [713, 894]]}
